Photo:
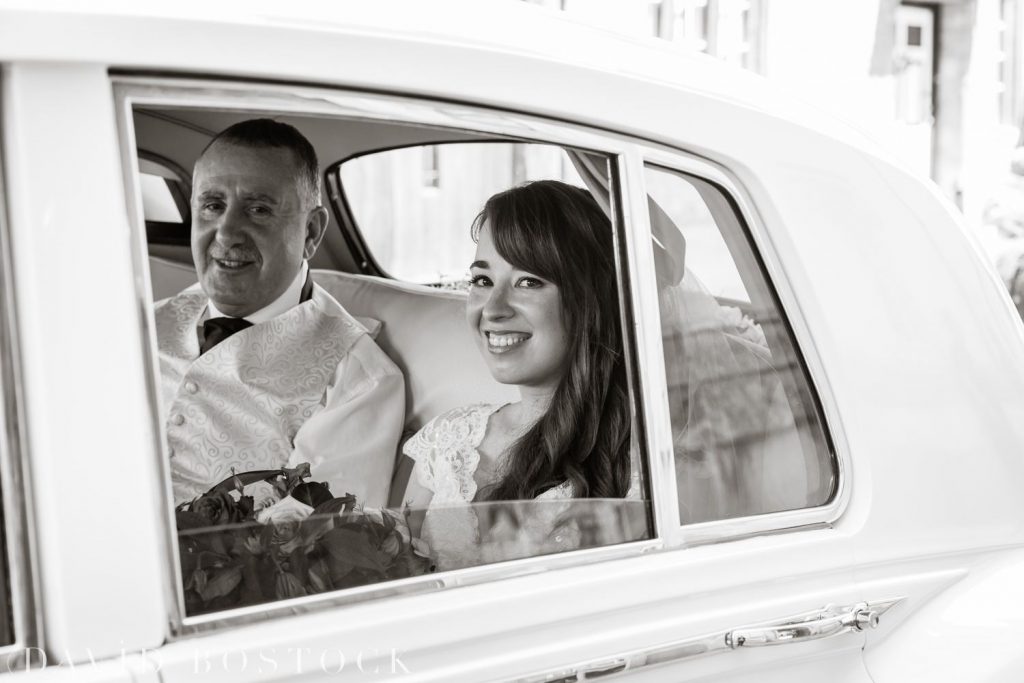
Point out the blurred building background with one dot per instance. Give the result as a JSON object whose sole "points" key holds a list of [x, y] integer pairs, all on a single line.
{"points": [[940, 83]]}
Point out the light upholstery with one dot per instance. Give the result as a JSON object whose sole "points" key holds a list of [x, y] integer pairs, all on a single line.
{"points": [[423, 331], [167, 277]]}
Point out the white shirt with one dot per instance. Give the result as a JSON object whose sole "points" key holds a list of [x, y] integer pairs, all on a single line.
{"points": [[352, 442], [290, 297]]}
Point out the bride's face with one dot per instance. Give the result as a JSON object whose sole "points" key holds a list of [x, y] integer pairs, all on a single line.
{"points": [[516, 318]]}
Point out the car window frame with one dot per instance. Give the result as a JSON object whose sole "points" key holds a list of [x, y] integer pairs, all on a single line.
{"points": [[779, 284], [19, 547], [638, 290], [132, 90]]}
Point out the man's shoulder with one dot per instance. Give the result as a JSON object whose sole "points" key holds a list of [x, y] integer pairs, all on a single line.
{"points": [[189, 296], [175, 316], [331, 307], [360, 333]]}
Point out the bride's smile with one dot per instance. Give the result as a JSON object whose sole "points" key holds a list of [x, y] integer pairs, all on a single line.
{"points": [[502, 342]]}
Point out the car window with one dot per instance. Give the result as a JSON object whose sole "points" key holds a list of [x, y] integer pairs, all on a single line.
{"points": [[412, 206], [747, 434], [255, 523], [165, 191]]}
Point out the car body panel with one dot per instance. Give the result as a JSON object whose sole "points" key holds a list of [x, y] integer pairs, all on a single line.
{"points": [[521, 625], [916, 354], [968, 631], [82, 234]]}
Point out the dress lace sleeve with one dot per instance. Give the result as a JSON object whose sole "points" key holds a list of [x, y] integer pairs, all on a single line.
{"points": [[445, 452], [418, 449]]}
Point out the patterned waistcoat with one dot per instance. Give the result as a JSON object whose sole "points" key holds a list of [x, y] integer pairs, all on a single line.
{"points": [[239, 405]]}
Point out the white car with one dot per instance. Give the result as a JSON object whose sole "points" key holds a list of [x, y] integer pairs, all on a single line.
{"points": [[853, 510]]}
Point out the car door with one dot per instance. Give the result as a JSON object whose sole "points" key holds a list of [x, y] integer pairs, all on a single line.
{"points": [[78, 500], [759, 539]]}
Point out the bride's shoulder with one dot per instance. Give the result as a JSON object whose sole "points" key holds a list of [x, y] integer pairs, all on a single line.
{"points": [[461, 425], [456, 416]]}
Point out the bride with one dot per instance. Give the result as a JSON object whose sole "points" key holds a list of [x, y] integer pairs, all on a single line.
{"points": [[543, 308]]}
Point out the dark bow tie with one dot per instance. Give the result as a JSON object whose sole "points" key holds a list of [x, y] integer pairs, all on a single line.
{"points": [[216, 330]]}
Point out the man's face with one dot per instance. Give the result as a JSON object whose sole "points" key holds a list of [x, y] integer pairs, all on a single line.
{"points": [[251, 225]]}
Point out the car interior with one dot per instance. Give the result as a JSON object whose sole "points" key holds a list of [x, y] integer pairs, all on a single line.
{"points": [[419, 320], [440, 375]]}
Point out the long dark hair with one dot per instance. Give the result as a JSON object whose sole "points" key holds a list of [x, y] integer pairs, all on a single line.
{"points": [[559, 232]]}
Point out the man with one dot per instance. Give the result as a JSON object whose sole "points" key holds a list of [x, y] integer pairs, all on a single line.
{"points": [[260, 367]]}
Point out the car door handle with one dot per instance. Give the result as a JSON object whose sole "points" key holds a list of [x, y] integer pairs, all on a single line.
{"points": [[825, 623]]}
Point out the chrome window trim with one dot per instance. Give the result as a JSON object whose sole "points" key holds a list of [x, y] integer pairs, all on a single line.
{"points": [[629, 154], [150, 361], [816, 375], [15, 467], [651, 359]]}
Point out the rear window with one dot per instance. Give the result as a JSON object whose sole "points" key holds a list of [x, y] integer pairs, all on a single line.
{"points": [[412, 207], [166, 193], [747, 435]]}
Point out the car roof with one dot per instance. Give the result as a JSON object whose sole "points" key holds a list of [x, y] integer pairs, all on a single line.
{"points": [[314, 41]]}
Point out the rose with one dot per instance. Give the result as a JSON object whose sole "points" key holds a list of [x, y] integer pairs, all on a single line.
{"points": [[286, 517], [392, 544], [377, 516], [217, 507], [285, 510], [263, 494]]}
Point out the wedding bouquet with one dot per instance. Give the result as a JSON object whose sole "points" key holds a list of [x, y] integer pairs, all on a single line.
{"points": [[306, 542]]}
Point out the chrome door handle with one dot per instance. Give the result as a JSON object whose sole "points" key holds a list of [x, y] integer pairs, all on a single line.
{"points": [[605, 668], [813, 625], [828, 622]]}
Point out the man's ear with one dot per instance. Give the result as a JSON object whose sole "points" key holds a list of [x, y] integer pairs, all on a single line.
{"points": [[316, 226]]}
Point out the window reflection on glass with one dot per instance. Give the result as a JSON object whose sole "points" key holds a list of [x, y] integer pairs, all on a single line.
{"points": [[309, 542], [747, 437]]}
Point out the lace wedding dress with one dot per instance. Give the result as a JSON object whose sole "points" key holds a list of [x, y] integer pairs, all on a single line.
{"points": [[446, 456]]}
